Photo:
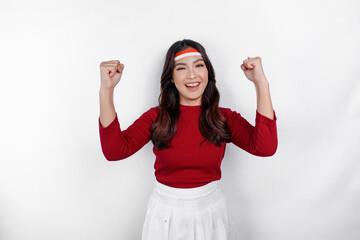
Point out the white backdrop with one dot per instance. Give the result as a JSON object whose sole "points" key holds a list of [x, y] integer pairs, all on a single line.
{"points": [[55, 182]]}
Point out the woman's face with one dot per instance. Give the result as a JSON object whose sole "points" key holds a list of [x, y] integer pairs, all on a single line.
{"points": [[190, 77]]}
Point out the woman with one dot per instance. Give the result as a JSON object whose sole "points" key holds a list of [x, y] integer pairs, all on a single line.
{"points": [[189, 132]]}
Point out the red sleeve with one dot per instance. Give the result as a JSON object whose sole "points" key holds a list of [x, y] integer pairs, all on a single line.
{"points": [[260, 140], [117, 144]]}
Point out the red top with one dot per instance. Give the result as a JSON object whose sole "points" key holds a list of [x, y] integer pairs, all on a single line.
{"points": [[186, 163]]}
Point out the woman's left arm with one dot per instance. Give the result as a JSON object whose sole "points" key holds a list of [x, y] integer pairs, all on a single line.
{"points": [[253, 70]]}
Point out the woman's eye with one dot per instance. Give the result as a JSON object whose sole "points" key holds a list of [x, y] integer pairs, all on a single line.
{"points": [[200, 65], [179, 69]]}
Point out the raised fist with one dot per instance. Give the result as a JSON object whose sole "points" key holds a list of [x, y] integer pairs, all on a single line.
{"points": [[110, 72]]}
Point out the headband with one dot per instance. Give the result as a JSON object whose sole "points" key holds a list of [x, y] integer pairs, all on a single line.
{"points": [[186, 53]]}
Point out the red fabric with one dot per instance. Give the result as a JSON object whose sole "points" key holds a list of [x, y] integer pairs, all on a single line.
{"points": [[186, 51], [186, 163]]}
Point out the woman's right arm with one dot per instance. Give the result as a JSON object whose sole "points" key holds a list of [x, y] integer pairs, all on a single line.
{"points": [[110, 73], [119, 144]]}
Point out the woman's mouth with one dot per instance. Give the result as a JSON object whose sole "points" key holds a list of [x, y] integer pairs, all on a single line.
{"points": [[192, 85]]}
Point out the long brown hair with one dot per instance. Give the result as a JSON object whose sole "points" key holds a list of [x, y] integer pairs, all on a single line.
{"points": [[213, 126]]}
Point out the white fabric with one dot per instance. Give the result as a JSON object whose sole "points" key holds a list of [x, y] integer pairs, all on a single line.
{"points": [[188, 214], [187, 55]]}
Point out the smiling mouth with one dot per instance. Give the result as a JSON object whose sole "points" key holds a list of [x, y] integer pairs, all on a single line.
{"points": [[191, 85]]}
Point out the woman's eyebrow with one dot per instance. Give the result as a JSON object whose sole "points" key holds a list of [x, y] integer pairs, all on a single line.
{"points": [[200, 59]]}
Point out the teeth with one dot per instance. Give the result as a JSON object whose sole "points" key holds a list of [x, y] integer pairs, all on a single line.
{"points": [[192, 84]]}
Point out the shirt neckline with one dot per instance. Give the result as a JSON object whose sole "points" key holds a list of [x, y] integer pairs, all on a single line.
{"points": [[186, 108]]}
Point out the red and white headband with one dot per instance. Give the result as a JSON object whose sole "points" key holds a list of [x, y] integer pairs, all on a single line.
{"points": [[187, 53]]}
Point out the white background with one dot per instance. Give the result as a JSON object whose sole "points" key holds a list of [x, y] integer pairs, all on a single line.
{"points": [[55, 182]]}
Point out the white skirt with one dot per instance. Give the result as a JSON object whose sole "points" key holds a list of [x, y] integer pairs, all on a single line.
{"points": [[188, 214]]}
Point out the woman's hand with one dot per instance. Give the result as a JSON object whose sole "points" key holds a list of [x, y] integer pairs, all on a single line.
{"points": [[253, 70], [110, 73]]}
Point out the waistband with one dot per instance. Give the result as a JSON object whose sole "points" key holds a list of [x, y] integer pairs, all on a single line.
{"points": [[187, 197]]}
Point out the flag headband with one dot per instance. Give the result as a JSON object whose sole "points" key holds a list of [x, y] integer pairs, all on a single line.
{"points": [[187, 53]]}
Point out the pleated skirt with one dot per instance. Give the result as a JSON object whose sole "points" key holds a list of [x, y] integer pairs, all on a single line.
{"points": [[188, 214]]}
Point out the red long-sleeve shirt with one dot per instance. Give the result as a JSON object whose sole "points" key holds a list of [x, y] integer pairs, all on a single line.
{"points": [[187, 163]]}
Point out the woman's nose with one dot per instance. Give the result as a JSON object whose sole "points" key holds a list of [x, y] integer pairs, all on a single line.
{"points": [[191, 74]]}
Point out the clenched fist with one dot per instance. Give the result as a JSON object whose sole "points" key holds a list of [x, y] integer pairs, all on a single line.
{"points": [[253, 70], [110, 73]]}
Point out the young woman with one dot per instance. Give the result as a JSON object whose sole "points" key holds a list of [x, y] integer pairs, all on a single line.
{"points": [[189, 132]]}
